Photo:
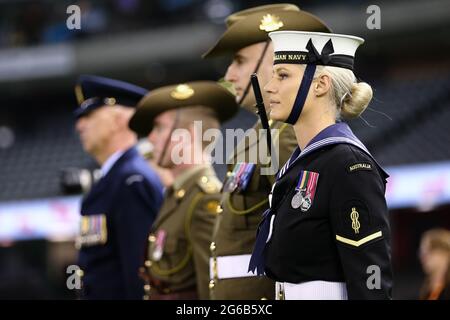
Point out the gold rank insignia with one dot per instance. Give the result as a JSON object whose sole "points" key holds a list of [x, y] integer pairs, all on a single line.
{"points": [[182, 92], [354, 215], [270, 23]]}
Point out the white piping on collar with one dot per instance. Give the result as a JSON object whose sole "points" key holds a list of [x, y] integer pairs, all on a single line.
{"points": [[316, 145]]}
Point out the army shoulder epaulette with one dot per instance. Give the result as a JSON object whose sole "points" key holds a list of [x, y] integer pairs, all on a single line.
{"points": [[209, 184]]}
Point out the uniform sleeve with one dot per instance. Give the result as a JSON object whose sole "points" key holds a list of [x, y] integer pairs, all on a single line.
{"points": [[138, 203], [202, 224], [285, 144], [360, 224]]}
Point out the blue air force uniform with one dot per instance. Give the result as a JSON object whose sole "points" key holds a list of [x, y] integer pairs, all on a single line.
{"points": [[116, 217], [117, 213]]}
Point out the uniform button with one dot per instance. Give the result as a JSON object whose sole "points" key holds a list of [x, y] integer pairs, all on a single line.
{"points": [[146, 297], [219, 209], [229, 173], [80, 273], [180, 193], [204, 179], [263, 298], [148, 263], [147, 288], [151, 238], [212, 247], [211, 284]]}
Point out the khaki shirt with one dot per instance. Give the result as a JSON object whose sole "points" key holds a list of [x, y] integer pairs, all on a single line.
{"points": [[178, 246], [235, 227]]}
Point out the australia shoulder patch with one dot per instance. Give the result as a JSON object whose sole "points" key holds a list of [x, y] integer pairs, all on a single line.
{"points": [[360, 166]]}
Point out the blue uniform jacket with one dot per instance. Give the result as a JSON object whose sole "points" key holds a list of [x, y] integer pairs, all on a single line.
{"points": [[116, 218]]}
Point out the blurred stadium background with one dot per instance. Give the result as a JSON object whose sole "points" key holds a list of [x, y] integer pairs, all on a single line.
{"points": [[152, 43]]}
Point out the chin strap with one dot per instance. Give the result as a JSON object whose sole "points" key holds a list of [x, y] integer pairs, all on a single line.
{"points": [[174, 126], [302, 94], [258, 64]]}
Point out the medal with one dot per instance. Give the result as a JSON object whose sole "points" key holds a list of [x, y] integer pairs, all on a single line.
{"points": [[239, 173], [305, 190], [231, 182], [159, 245], [231, 186], [93, 230], [246, 176], [306, 203], [297, 200]]}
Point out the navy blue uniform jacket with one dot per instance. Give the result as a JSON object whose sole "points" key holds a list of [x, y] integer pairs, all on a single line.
{"points": [[116, 218]]}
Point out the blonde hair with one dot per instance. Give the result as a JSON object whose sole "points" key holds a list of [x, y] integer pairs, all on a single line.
{"points": [[437, 239], [350, 97]]}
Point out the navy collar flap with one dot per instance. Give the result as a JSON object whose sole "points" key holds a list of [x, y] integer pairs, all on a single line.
{"points": [[335, 134]]}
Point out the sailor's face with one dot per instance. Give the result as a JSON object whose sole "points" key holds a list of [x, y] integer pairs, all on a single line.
{"points": [[282, 90]]}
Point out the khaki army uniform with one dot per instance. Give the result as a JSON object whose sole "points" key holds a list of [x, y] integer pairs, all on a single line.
{"points": [[235, 227], [178, 247], [176, 265]]}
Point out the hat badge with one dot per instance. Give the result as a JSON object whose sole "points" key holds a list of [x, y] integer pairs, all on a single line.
{"points": [[109, 101], [182, 92], [270, 23]]}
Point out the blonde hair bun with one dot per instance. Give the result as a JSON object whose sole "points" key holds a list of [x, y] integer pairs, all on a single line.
{"points": [[355, 103]]}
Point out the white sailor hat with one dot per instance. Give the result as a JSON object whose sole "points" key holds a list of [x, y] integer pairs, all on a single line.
{"points": [[298, 47]]}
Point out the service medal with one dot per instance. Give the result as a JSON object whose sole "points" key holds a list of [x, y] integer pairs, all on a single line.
{"points": [[306, 203], [297, 200], [306, 190], [159, 245]]}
